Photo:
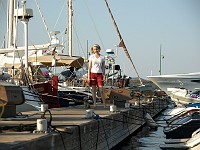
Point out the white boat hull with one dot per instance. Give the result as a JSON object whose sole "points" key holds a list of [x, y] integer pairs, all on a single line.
{"points": [[190, 81]]}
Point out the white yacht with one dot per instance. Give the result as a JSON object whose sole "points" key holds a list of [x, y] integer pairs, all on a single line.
{"points": [[189, 81]]}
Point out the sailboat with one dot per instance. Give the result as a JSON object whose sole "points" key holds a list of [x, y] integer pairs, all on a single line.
{"points": [[23, 64]]}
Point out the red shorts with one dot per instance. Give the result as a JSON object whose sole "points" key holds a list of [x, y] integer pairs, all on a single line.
{"points": [[96, 79]]}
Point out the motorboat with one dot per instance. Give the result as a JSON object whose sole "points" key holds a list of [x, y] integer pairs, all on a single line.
{"points": [[197, 105], [179, 113], [178, 86], [189, 81], [183, 127], [183, 96], [192, 143], [173, 112]]}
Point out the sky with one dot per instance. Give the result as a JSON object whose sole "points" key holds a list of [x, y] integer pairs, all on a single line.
{"points": [[145, 25]]}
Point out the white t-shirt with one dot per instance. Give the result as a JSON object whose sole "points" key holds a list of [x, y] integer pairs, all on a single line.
{"points": [[97, 63]]}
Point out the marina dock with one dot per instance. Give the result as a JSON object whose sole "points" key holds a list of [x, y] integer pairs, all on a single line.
{"points": [[69, 129]]}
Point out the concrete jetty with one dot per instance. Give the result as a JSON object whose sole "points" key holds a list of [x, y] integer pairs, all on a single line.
{"points": [[68, 128]]}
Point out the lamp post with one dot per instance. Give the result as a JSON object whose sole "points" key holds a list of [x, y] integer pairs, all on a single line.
{"points": [[161, 57]]}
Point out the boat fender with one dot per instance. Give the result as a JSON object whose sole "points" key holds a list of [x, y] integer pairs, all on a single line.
{"points": [[150, 122]]}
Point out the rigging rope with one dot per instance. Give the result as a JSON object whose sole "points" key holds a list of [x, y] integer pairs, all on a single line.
{"points": [[79, 42], [95, 26], [36, 1], [122, 44], [3, 7], [60, 14]]}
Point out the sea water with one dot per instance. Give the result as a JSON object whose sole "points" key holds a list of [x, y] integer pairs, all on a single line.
{"points": [[146, 139]]}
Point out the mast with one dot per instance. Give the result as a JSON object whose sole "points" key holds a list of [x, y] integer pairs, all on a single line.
{"points": [[24, 15], [160, 60], [70, 27], [10, 22], [122, 44], [161, 57]]}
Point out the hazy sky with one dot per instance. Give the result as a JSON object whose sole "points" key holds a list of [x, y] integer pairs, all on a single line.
{"points": [[144, 25]]}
